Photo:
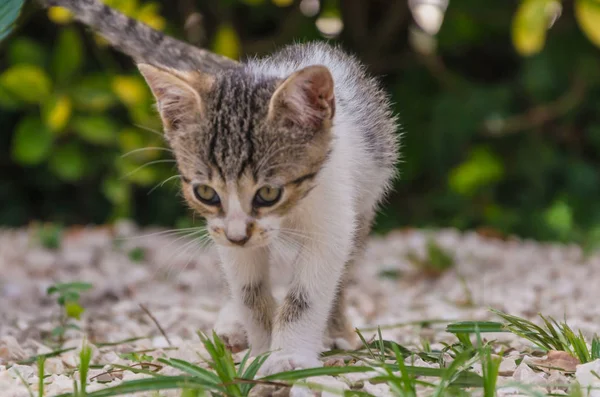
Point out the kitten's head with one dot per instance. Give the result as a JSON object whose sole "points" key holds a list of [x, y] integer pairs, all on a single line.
{"points": [[248, 148]]}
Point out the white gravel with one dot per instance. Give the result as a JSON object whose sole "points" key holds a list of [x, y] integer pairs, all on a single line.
{"points": [[182, 288]]}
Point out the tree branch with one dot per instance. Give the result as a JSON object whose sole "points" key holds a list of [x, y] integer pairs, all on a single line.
{"points": [[540, 114]]}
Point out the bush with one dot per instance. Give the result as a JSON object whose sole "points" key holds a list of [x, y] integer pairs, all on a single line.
{"points": [[500, 124]]}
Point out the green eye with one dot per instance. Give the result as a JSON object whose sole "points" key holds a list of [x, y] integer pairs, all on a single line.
{"points": [[206, 194], [267, 196]]}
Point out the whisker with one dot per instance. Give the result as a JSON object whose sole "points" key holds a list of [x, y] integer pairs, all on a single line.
{"points": [[161, 233], [147, 164], [160, 184], [144, 149], [145, 128]]}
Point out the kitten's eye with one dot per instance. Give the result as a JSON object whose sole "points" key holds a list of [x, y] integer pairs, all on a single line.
{"points": [[267, 196], [206, 194]]}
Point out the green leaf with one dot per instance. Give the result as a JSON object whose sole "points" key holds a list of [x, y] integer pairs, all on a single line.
{"points": [[26, 82], [68, 55], [74, 310], [93, 93], [587, 13], [32, 141], [95, 129], [24, 51], [529, 26], [56, 112], [9, 12], [559, 217], [227, 42], [74, 286], [116, 191], [482, 168], [68, 162]]}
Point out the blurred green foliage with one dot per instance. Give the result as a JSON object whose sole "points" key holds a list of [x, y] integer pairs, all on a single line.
{"points": [[501, 125]]}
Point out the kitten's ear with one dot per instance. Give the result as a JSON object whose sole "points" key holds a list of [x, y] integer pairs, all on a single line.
{"points": [[305, 98], [178, 94]]}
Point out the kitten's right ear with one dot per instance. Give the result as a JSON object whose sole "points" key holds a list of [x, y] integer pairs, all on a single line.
{"points": [[178, 94]]}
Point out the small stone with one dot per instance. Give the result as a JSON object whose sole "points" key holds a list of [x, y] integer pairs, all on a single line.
{"points": [[525, 374], [586, 376], [54, 365], [507, 366], [25, 371]]}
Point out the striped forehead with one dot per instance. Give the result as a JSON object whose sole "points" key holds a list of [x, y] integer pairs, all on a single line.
{"points": [[236, 108]]}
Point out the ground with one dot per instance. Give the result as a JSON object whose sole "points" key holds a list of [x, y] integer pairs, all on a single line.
{"points": [[146, 282]]}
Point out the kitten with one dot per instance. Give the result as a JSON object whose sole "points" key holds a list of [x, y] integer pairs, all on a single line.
{"points": [[287, 158]]}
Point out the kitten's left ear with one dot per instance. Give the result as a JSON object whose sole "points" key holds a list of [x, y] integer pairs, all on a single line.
{"points": [[177, 93], [305, 98]]}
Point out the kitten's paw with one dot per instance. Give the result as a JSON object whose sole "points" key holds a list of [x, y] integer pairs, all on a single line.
{"points": [[287, 361], [230, 330], [235, 341]]}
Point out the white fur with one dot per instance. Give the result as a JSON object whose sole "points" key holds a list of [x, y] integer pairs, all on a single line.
{"points": [[350, 184]]}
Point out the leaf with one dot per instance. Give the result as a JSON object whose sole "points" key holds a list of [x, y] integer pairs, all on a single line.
{"points": [[482, 168], [23, 50], [227, 42], [93, 93], [74, 310], [116, 191], [60, 15], [68, 162], [56, 112], [9, 12], [529, 26], [28, 83], [95, 129], [148, 14], [74, 286], [68, 55], [559, 217], [587, 13], [131, 90], [32, 141], [560, 360]]}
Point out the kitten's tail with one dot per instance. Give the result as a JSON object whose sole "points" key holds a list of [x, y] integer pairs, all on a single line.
{"points": [[139, 40]]}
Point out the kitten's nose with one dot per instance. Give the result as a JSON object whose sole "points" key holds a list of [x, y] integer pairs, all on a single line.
{"points": [[240, 241], [239, 233]]}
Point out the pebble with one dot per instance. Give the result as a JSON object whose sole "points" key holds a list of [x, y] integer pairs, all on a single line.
{"points": [[537, 277]]}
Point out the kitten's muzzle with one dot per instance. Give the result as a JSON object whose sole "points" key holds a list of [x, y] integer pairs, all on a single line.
{"points": [[240, 238]]}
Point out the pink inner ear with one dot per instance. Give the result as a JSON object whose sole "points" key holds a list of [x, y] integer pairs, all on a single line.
{"points": [[310, 97]]}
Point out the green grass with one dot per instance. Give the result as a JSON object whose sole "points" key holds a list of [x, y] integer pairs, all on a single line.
{"points": [[221, 375], [436, 262], [552, 335]]}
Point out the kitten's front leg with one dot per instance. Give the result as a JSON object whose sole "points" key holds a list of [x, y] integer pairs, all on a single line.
{"points": [[300, 323], [247, 274]]}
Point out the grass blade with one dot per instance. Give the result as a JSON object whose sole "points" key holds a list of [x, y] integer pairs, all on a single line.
{"points": [[149, 384], [41, 371], [192, 369], [307, 373], [471, 327]]}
